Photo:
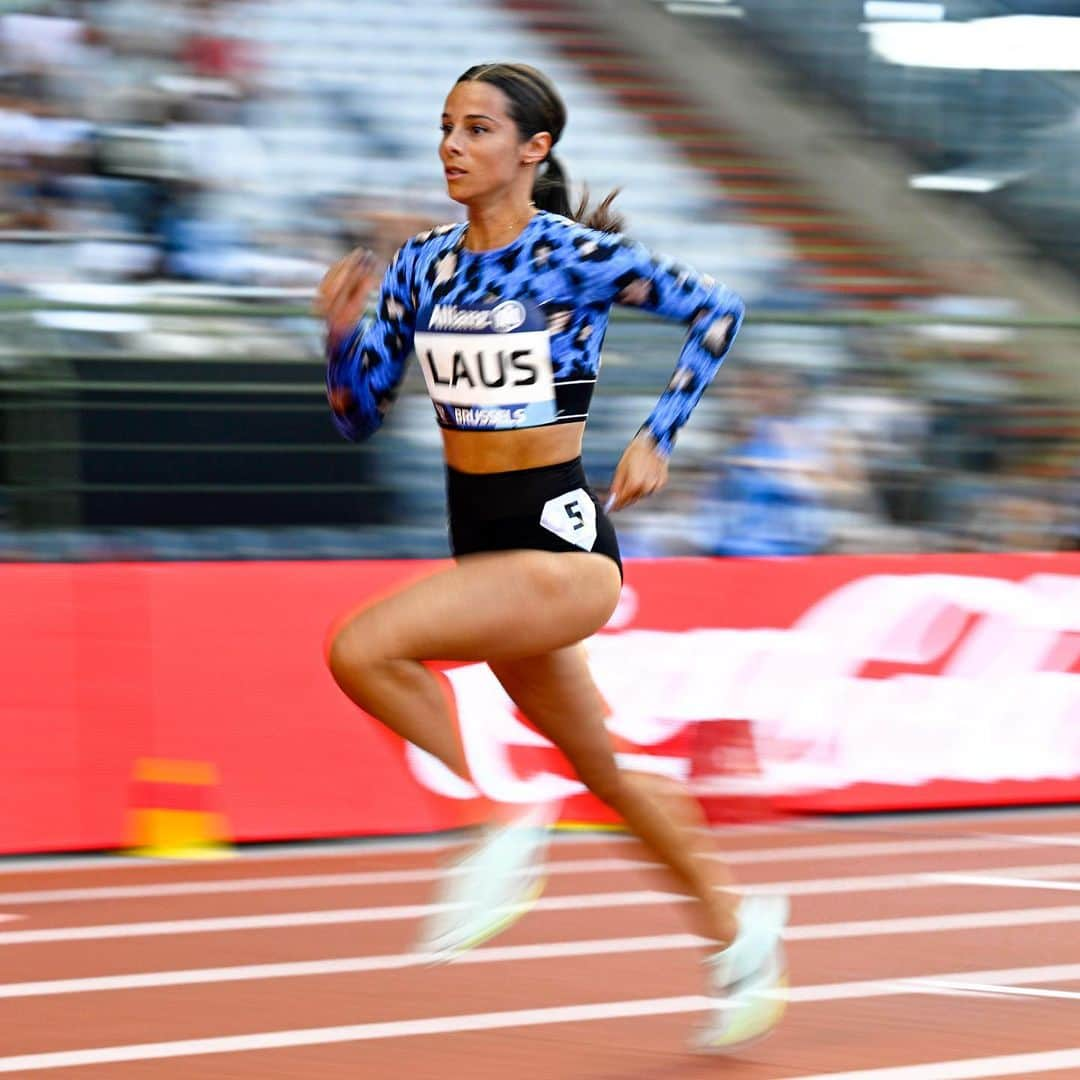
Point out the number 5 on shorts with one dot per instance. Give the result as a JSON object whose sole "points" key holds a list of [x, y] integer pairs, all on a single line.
{"points": [[573, 517]]}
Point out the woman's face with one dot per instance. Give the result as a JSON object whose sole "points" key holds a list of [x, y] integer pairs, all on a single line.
{"points": [[481, 148]]}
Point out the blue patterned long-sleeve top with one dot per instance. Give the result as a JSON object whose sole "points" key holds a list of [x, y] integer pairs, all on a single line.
{"points": [[511, 338]]}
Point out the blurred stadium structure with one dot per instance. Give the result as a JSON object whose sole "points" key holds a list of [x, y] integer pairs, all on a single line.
{"points": [[983, 94], [174, 177]]}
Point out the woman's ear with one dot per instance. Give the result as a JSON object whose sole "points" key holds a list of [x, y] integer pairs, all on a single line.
{"points": [[537, 148]]}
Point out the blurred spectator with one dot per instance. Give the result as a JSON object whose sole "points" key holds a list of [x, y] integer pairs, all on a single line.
{"points": [[1019, 514], [211, 50], [879, 431], [216, 148], [770, 497], [38, 48]]}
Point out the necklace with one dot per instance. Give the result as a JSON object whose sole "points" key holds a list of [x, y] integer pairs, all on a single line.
{"points": [[501, 230]]}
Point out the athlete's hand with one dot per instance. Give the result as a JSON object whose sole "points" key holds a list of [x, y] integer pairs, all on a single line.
{"points": [[641, 471], [344, 290]]}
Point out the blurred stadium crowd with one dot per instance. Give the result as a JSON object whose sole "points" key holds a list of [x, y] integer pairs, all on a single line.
{"points": [[225, 151]]}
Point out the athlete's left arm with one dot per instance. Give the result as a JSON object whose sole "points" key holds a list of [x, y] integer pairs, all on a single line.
{"points": [[711, 312]]}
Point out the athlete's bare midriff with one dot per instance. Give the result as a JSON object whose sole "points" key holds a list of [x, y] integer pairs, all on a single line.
{"points": [[503, 451]]}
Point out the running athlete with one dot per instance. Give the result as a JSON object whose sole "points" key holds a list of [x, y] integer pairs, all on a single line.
{"points": [[506, 314]]}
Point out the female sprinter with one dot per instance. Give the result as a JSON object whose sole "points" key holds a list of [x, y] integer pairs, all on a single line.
{"points": [[506, 314]]}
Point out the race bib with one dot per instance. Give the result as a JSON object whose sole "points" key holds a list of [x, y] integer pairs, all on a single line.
{"points": [[487, 367], [573, 517]]}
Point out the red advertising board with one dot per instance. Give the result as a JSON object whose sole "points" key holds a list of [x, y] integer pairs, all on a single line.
{"points": [[861, 683]]}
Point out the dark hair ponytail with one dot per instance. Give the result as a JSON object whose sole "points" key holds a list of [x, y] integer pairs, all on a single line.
{"points": [[534, 106], [551, 190], [601, 217]]}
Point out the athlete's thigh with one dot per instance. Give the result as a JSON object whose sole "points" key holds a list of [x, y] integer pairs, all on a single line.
{"points": [[557, 693], [492, 606]]}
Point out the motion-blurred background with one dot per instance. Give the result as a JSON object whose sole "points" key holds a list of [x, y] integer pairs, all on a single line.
{"points": [[893, 186]]}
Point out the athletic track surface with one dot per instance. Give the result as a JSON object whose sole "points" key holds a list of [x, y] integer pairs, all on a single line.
{"points": [[922, 948]]}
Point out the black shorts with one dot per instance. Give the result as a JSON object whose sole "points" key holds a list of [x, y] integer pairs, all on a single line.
{"points": [[546, 509]]}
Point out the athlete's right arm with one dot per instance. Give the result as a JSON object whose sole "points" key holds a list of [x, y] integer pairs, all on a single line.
{"points": [[365, 360]]}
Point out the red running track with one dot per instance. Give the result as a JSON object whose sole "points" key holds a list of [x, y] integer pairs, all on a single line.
{"points": [[921, 949]]}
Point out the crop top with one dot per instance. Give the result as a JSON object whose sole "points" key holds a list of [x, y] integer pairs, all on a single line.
{"points": [[510, 338]]}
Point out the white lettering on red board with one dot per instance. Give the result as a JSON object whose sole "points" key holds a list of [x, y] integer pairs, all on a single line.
{"points": [[1004, 706]]}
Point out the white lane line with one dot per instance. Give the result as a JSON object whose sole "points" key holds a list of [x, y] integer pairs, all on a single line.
{"points": [[1051, 839], [888, 882], [993, 878], [992, 979], [362, 847], [874, 848], [362, 878], [983, 989], [354, 964], [966, 1069], [924, 924], [334, 917], [438, 1025], [490, 955], [744, 856], [915, 924]]}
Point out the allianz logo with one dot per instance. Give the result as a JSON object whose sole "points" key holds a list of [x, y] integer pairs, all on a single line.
{"points": [[501, 319]]}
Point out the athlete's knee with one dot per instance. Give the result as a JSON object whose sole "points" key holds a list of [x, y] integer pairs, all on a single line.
{"points": [[351, 651]]}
